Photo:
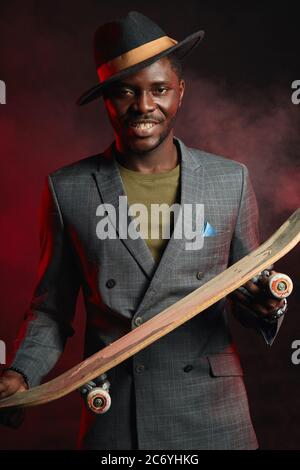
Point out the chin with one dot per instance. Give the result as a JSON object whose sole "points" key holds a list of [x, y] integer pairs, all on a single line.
{"points": [[144, 145]]}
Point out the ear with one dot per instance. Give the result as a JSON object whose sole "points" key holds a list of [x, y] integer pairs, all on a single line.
{"points": [[181, 91]]}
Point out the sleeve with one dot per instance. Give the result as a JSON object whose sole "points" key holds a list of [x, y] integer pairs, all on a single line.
{"points": [[47, 322], [246, 239]]}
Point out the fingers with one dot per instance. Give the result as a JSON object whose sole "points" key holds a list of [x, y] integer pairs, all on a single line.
{"points": [[3, 386], [241, 297], [264, 310], [252, 288], [10, 385], [259, 301], [248, 303], [274, 304]]}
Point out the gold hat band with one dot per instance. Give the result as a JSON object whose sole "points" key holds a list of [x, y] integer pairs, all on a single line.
{"points": [[136, 55]]}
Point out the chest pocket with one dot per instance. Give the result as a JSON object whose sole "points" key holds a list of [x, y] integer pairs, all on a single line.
{"points": [[224, 365]]}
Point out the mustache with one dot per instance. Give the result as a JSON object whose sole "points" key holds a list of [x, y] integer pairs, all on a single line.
{"points": [[139, 119]]}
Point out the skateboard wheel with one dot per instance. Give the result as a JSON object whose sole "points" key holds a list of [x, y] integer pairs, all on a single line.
{"points": [[98, 400], [280, 285]]}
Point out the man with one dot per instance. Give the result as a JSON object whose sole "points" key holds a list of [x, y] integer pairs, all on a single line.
{"points": [[186, 390]]}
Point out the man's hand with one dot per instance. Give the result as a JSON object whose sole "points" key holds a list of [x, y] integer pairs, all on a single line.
{"points": [[261, 302], [11, 382]]}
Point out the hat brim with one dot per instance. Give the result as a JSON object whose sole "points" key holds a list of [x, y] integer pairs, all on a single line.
{"points": [[181, 49]]}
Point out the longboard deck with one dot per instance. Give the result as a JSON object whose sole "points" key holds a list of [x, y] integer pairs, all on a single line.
{"points": [[280, 243]]}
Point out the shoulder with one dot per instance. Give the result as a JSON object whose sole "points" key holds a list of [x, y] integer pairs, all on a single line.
{"points": [[68, 179], [221, 172], [80, 168], [217, 164]]}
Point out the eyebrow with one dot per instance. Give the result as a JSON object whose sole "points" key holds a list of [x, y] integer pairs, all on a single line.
{"points": [[156, 82]]}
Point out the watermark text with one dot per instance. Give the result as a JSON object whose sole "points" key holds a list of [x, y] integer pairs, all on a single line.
{"points": [[296, 94], [2, 92], [2, 352], [187, 220], [296, 353]]}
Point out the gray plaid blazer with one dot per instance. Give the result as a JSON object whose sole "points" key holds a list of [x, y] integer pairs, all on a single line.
{"points": [[186, 390]]}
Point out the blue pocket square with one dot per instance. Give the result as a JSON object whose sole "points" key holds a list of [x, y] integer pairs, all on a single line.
{"points": [[209, 230]]}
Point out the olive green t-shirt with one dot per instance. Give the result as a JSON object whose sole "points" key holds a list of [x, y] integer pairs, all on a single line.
{"points": [[148, 189]]}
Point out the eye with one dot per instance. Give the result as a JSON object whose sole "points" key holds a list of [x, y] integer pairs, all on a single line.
{"points": [[161, 90], [123, 92]]}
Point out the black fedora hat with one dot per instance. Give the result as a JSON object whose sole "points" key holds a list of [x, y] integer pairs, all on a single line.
{"points": [[124, 46]]}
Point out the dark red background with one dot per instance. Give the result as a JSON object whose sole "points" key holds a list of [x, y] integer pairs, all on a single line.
{"points": [[237, 104]]}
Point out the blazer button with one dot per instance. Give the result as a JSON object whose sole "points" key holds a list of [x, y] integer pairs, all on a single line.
{"points": [[199, 275], [138, 321], [140, 368], [110, 283], [188, 368]]}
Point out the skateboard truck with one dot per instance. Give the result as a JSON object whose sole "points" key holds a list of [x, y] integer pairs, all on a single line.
{"points": [[96, 394]]}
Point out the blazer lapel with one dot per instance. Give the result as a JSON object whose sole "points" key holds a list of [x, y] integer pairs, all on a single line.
{"points": [[110, 187], [191, 189]]}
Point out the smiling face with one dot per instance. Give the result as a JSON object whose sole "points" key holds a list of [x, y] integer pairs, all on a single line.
{"points": [[142, 108]]}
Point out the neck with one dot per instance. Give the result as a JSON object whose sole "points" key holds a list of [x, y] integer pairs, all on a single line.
{"points": [[162, 158]]}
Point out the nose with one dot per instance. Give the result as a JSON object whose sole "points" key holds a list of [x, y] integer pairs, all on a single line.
{"points": [[144, 103]]}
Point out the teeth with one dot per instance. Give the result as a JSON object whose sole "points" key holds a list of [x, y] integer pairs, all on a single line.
{"points": [[144, 125]]}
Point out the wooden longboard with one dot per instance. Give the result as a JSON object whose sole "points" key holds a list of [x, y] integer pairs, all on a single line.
{"points": [[283, 240]]}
